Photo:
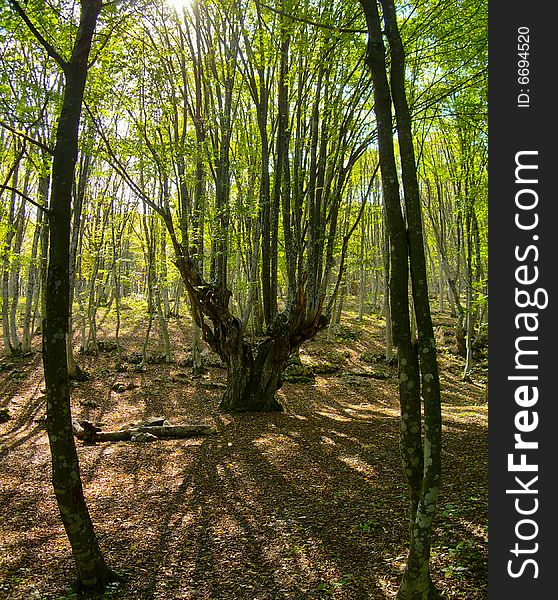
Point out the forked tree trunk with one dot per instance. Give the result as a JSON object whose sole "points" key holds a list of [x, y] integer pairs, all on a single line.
{"points": [[253, 374], [309, 199], [254, 378], [416, 583], [418, 371]]}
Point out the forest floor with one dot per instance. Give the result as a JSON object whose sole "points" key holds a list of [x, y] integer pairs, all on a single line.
{"points": [[310, 503]]}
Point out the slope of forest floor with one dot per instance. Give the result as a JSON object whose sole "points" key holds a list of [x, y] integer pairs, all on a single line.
{"points": [[306, 504]]}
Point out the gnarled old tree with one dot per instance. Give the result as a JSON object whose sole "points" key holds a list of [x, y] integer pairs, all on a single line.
{"points": [[91, 567], [417, 365], [298, 119]]}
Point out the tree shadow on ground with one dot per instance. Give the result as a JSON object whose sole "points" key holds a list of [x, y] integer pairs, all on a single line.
{"points": [[306, 504], [301, 505]]}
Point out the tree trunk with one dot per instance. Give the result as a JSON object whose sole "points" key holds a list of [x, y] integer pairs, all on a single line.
{"points": [[362, 272], [441, 290], [252, 380], [33, 271], [197, 362], [386, 309], [91, 567], [74, 370], [416, 583], [7, 267], [20, 225], [418, 374]]}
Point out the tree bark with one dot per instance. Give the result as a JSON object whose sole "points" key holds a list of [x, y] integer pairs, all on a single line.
{"points": [[253, 380]]}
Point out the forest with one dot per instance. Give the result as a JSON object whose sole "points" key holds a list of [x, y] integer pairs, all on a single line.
{"points": [[244, 299]]}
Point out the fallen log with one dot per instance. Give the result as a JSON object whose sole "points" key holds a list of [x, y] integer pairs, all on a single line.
{"points": [[88, 434], [368, 374]]}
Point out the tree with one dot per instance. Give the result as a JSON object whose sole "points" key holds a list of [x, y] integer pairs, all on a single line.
{"points": [[308, 122], [91, 567], [417, 365]]}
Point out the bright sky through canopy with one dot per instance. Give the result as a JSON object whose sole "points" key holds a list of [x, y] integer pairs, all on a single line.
{"points": [[179, 5]]}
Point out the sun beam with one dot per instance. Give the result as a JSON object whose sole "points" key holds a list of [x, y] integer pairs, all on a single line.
{"points": [[180, 5]]}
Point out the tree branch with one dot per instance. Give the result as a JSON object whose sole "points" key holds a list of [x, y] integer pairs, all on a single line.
{"points": [[27, 138], [25, 197], [310, 22], [51, 51], [121, 169]]}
